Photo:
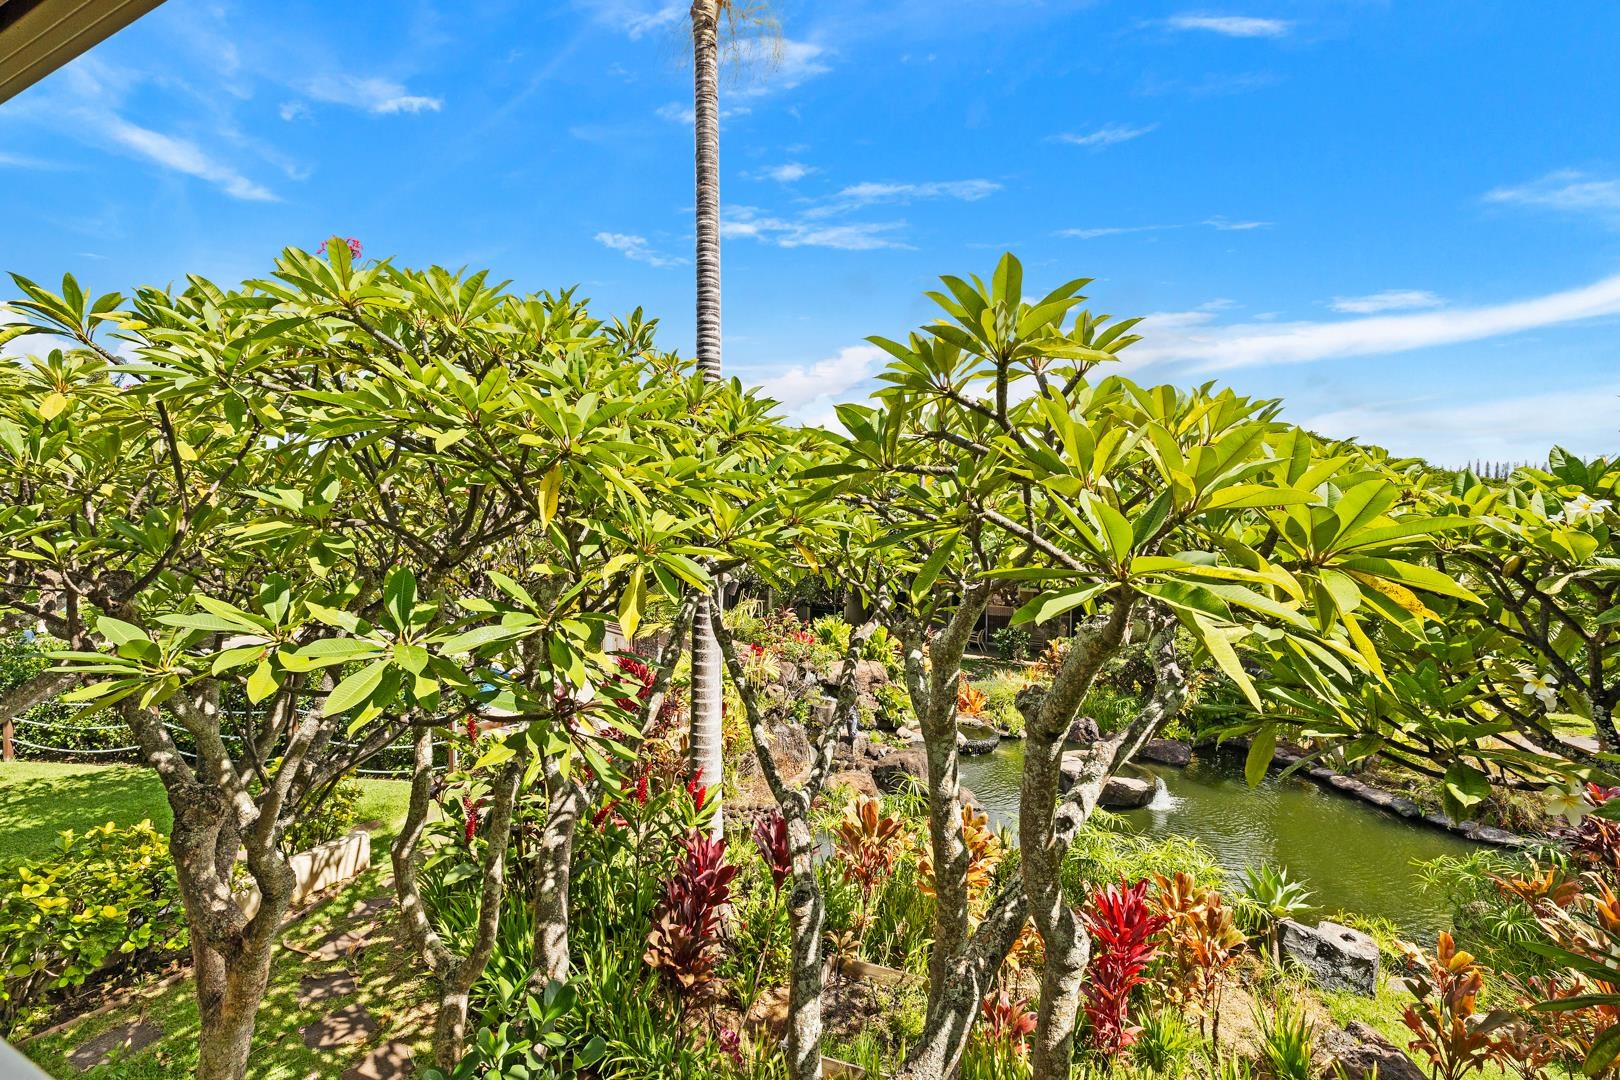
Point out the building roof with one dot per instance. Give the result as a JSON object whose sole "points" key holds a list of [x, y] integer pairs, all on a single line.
{"points": [[39, 36]]}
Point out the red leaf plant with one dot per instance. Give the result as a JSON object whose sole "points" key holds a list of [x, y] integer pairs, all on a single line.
{"points": [[684, 943], [770, 836], [1123, 928], [1007, 1023]]}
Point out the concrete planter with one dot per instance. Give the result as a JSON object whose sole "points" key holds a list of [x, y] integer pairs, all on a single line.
{"points": [[318, 869]]}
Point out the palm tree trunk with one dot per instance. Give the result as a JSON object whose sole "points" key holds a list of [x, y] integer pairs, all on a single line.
{"points": [[707, 760]]}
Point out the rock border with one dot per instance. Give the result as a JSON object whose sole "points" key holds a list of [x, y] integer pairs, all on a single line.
{"points": [[1387, 801]]}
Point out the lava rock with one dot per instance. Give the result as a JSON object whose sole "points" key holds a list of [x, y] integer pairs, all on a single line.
{"points": [[1363, 1053], [1338, 957], [1126, 793], [1166, 752], [976, 738], [892, 773], [1084, 730]]}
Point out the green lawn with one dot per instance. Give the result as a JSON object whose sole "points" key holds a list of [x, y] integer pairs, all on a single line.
{"points": [[38, 800]]}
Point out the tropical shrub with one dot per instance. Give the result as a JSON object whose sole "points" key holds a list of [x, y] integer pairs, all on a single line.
{"points": [[1287, 1041], [1124, 931], [333, 818], [105, 896], [529, 1047], [1011, 642], [999, 1048], [1202, 943], [684, 942], [1445, 1023], [868, 842], [1267, 896]]}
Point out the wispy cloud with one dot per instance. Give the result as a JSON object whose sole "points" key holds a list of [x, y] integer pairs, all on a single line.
{"points": [[637, 248], [640, 23], [870, 192], [751, 223], [1219, 223], [679, 113], [1194, 337], [369, 93], [1568, 190], [22, 161], [787, 173], [1388, 300], [178, 154], [1242, 26], [1107, 135], [1520, 427]]}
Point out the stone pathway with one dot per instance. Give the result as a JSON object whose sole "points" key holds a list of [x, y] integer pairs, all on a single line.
{"points": [[351, 1023], [314, 989], [340, 944], [390, 1061], [124, 1039]]}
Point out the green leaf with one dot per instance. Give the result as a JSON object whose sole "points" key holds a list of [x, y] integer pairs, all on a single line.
{"points": [[1051, 604], [355, 689], [1225, 657], [1262, 749], [262, 683]]}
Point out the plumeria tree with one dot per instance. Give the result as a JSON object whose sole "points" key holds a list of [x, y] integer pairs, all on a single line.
{"points": [[329, 471], [997, 457], [1507, 679]]}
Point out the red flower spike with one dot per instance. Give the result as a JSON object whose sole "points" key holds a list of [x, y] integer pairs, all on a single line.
{"points": [[770, 836]]}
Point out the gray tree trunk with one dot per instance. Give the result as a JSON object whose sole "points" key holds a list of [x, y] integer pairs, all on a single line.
{"points": [[564, 799]]}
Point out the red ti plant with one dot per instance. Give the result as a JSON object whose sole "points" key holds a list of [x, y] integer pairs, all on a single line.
{"points": [[1448, 1029], [1006, 1024], [684, 943], [1123, 929], [770, 836]]}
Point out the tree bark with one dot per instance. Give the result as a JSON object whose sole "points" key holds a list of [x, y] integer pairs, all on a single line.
{"points": [[706, 736], [564, 801], [1047, 828], [34, 691]]}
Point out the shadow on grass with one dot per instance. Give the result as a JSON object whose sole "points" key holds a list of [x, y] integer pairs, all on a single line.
{"points": [[389, 985]]}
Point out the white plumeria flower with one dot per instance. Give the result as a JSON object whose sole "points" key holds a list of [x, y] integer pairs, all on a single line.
{"points": [[1544, 687], [1584, 506], [1570, 804]]}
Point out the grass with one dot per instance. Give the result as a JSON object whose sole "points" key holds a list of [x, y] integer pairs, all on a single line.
{"points": [[389, 984], [39, 800]]}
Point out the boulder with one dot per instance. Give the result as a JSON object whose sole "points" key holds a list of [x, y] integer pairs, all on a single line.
{"points": [[908, 735], [975, 738], [869, 675], [859, 781], [1337, 957], [1166, 752], [1084, 730], [1126, 792], [1362, 1053], [1072, 764], [892, 772]]}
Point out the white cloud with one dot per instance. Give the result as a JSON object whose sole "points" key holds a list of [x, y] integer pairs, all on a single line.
{"points": [[1107, 135], [1568, 190], [636, 247], [1388, 300], [371, 94], [638, 24], [749, 223], [870, 192], [180, 155], [1220, 223], [809, 393], [677, 113], [1230, 25], [781, 64], [1518, 428], [786, 173], [21, 161], [293, 110], [1193, 337]]}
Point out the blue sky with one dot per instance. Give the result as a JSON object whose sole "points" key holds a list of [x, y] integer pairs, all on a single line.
{"points": [[1402, 218]]}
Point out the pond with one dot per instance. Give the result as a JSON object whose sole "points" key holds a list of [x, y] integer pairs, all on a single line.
{"points": [[1352, 856]]}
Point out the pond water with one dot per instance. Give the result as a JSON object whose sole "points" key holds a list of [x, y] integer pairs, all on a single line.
{"points": [[1352, 856]]}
